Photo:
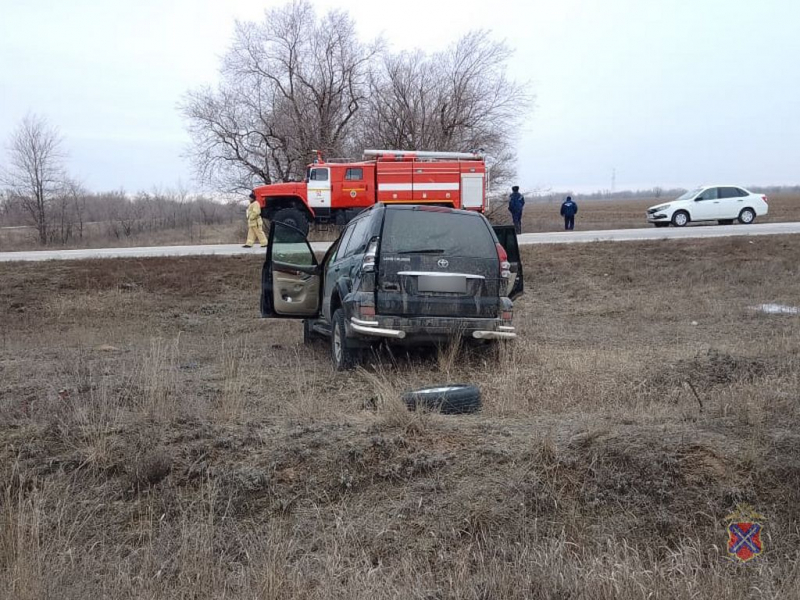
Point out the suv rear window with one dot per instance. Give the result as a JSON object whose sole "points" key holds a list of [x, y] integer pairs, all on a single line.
{"points": [[452, 234]]}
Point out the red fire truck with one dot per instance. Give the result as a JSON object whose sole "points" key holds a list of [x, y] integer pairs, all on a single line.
{"points": [[336, 192]]}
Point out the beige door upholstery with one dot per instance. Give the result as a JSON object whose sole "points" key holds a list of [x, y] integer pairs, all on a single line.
{"points": [[295, 293], [512, 280]]}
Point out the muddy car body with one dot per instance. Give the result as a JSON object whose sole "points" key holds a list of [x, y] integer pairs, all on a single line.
{"points": [[398, 274]]}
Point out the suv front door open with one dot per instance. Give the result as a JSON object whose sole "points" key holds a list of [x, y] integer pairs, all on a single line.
{"points": [[291, 277], [508, 240]]}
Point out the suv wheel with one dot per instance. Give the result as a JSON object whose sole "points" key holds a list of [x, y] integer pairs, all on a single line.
{"points": [[747, 216], [680, 218], [344, 357], [293, 217]]}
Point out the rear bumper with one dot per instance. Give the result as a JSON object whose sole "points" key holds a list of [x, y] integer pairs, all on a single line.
{"points": [[431, 328]]}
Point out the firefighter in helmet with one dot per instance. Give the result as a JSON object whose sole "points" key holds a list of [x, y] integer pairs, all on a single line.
{"points": [[255, 226]]}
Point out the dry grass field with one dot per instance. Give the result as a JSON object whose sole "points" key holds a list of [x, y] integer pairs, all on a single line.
{"points": [[96, 236], [159, 440]]}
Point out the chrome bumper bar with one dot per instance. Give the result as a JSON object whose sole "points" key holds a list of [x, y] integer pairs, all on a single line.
{"points": [[494, 335], [504, 332], [371, 328]]}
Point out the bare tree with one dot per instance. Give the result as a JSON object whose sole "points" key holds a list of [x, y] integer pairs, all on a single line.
{"points": [[35, 175], [459, 99], [295, 83], [77, 195], [290, 85], [61, 218]]}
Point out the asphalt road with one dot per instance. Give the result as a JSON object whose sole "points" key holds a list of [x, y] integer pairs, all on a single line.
{"points": [[560, 237]]}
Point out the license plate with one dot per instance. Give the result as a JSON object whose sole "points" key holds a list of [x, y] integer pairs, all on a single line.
{"points": [[447, 284]]}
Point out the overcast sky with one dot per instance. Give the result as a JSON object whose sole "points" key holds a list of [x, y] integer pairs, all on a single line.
{"points": [[670, 93]]}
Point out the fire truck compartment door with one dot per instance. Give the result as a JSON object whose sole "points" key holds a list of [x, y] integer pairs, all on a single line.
{"points": [[471, 190], [319, 187]]}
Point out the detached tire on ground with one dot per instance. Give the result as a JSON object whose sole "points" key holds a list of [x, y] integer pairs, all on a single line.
{"points": [[293, 217], [454, 399]]}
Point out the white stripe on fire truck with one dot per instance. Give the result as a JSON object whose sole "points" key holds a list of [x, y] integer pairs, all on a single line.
{"points": [[417, 187]]}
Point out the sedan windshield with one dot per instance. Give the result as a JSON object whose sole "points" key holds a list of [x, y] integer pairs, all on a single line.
{"points": [[690, 194]]}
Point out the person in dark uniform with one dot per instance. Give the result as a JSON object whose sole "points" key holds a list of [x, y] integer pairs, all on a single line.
{"points": [[568, 210], [516, 202]]}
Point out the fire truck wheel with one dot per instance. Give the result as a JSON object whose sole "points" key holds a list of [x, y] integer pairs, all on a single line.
{"points": [[292, 217]]}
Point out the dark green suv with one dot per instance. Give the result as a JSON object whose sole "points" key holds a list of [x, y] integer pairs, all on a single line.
{"points": [[401, 274]]}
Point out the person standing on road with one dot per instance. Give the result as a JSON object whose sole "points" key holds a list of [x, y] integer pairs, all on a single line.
{"points": [[255, 226], [568, 210], [516, 202]]}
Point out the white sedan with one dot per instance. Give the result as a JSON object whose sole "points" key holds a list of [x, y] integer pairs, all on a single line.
{"points": [[722, 203]]}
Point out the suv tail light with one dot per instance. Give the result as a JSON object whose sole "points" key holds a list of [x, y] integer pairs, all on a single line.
{"points": [[764, 198], [368, 263], [505, 266]]}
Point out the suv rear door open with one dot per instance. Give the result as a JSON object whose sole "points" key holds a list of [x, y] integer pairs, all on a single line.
{"points": [[291, 278], [508, 240]]}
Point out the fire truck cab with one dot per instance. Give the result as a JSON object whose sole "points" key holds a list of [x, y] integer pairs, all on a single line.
{"points": [[337, 192]]}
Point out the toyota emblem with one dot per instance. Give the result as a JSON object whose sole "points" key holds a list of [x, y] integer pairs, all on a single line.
{"points": [[443, 263]]}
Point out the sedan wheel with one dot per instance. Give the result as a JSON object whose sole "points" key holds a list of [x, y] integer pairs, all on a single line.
{"points": [[747, 216], [680, 218]]}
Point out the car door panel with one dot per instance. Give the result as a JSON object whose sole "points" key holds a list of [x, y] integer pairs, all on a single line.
{"points": [[330, 266], [748, 200], [291, 277], [295, 293], [508, 240], [731, 202], [339, 272], [706, 206]]}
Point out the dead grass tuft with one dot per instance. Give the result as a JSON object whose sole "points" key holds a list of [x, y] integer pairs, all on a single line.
{"points": [[158, 381], [149, 468]]}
